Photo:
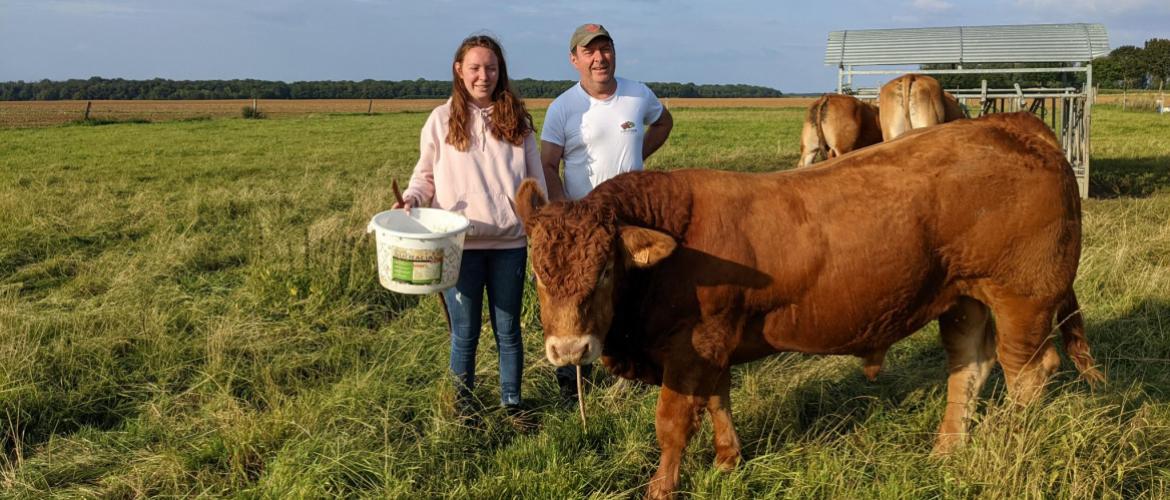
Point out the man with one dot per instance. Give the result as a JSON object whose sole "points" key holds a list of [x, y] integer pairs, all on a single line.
{"points": [[599, 128]]}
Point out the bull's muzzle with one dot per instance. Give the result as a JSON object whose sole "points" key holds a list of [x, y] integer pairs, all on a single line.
{"points": [[577, 350]]}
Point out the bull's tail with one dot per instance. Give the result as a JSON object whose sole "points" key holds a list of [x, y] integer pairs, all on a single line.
{"points": [[907, 85], [819, 124], [1072, 331]]}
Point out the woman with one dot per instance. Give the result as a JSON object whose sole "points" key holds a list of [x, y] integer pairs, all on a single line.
{"points": [[474, 152]]}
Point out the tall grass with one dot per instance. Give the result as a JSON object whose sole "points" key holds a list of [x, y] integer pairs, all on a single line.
{"points": [[191, 308]]}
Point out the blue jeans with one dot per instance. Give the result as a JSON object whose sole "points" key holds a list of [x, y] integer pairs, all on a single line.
{"points": [[502, 273]]}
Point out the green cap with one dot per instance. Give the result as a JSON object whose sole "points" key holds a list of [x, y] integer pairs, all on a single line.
{"points": [[585, 34]]}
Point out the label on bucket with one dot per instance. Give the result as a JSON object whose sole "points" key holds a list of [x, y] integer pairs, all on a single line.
{"points": [[417, 266]]}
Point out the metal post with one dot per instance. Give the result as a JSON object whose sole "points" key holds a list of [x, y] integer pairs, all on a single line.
{"points": [[983, 98], [1088, 126]]}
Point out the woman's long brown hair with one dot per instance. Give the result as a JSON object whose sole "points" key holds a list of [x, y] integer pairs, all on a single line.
{"points": [[510, 121]]}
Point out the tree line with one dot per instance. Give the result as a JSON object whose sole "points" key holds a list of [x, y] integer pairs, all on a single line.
{"points": [[161, 89], [1132, 67], [1007, 80], [1126, 67]]}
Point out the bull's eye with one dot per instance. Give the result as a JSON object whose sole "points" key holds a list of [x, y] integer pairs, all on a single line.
{"points": [[606, 272]]}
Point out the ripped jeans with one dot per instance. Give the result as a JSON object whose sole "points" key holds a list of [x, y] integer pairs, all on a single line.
{"points": [[502, 273]]}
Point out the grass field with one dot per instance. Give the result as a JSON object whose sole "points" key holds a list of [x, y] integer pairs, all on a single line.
{"points": [[20, 114], [23, 114], [190, 308]]}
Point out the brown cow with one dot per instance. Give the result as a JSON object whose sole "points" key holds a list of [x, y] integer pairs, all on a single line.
{"points": [[837, 124], [673, 277], [915, 101]]}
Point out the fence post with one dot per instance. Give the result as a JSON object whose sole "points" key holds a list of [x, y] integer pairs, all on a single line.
{"points": [[1161, 98], [87, 106], [370, 108]]}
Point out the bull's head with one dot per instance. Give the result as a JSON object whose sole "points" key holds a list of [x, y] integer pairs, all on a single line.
{"points": [[580, 252]]}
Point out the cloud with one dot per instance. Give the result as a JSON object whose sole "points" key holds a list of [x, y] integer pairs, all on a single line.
{"points": [[525, 10], [1090, 6], [91, 7], [932, 5]]}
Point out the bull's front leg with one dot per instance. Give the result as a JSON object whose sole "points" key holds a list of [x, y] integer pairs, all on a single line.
{"points": [[676, 421], [726, 441]]}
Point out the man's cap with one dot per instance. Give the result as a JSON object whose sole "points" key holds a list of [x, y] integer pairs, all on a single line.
{"points": [[585, 34]]}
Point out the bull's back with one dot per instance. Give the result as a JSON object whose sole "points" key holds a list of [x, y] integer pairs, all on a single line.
{"points": [[868, 247]]}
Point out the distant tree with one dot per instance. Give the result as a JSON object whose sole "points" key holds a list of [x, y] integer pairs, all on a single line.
{"points": [[1107, 72], [1132, 66], [672, 89], [1157, 56]]}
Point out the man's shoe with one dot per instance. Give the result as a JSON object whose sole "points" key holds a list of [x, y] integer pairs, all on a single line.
{"points": [[568, 397], [567, 381], [468, 415]]}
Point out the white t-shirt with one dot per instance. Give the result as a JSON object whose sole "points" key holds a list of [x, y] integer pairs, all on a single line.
{"points": [[601, 138]]}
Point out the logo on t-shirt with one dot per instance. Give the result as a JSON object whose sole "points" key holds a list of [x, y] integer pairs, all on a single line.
{"points": [[628, 126]]}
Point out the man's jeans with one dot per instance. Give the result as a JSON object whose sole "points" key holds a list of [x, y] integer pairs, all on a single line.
{"points": [[502, 273]]}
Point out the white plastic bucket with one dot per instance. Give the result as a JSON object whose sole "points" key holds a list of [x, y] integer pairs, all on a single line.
{"points": [[418, 253]]}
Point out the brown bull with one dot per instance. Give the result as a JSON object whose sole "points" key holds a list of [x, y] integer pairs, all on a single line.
{"points": [[672, 278], [837, 124], [915, 101]]}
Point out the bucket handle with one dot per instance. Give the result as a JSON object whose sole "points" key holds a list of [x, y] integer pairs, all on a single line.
{"points": [[371, 227]]}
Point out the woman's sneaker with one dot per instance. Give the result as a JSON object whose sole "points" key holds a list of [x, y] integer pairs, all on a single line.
{"points": [[521, 418]]}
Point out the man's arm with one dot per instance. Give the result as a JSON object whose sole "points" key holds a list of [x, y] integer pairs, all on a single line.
{"points": [[550, 159], [656, 135]]}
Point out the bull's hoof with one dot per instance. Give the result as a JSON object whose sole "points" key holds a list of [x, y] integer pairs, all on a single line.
{"points": [[659, 494], [946, 444], [872, 364], [726, 462], [660, 489]]}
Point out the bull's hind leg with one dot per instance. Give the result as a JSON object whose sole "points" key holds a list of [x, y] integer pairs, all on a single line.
{"points": [[1025, 346], [810, 145], [726, 441], [968, 335]]}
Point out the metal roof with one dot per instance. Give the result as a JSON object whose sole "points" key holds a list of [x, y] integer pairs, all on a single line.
{"points": [[968, 44]]}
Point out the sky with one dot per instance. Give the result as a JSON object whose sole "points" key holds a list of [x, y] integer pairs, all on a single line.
{"points": [[771, 43]]}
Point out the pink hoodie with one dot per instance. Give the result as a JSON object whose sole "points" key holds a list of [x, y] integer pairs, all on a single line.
{"points": [[477, 183]]}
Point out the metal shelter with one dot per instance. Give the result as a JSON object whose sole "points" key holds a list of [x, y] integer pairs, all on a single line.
{"points": [[1073, 46]]}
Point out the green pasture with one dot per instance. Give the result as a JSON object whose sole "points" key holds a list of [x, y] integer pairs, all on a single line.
{"points": [[191, 309]]}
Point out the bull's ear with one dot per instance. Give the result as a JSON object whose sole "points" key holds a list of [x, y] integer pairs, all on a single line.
{"points": [[529, 199], [645, 247]]}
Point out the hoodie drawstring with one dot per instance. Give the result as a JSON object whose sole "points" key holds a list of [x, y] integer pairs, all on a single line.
{"points": [[483, 114]]}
